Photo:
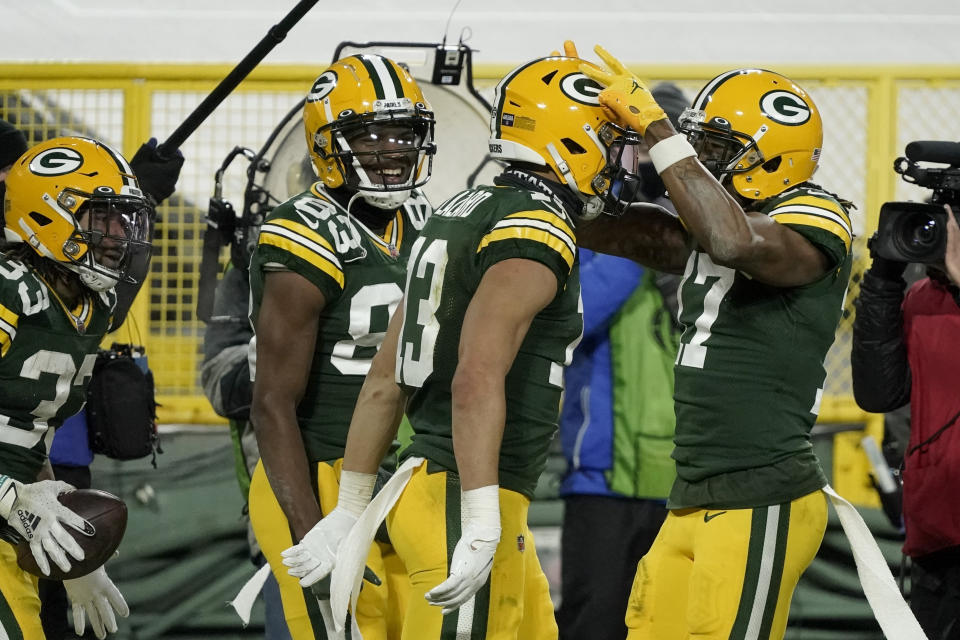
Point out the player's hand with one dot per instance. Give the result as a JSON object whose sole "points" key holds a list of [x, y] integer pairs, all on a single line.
{"points": [[95, 596], [313, 558], [34, 512], [157, 175], [252, 357], [626, 96], [569, 50], [884, 268], [473, 556], [952, 255]]}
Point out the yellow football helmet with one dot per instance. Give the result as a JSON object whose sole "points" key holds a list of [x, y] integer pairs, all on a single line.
{"points": [[756, 127], [547, 113], [73, 198], [369, 128]]}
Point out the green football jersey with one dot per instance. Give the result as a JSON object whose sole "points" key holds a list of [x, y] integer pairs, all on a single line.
{"points": [[361, 275], [47, 353], [467, 235], [749, 373]]}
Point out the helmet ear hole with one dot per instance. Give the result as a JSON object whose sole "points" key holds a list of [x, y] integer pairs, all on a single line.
{"points": [[772, 165], [572, 146], [40, 219]]}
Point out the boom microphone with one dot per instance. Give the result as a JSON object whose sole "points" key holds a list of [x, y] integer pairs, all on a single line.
{"points": [[934, 151], [276, 34]]}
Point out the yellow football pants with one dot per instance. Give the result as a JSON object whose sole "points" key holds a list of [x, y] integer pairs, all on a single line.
{"points": [[725, 573], [20, 603], [379, 608], [424, 528]]}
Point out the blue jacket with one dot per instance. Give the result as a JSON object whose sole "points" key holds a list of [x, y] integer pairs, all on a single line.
{"points": [[586, 419]]}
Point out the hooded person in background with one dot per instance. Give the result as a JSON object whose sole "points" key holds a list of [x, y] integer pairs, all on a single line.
{"points": [[13, 144]]}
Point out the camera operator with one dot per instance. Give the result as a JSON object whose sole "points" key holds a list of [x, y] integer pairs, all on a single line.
{"points": [[905, 349]]}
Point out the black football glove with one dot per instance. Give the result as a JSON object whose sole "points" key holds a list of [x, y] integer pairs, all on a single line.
{"points": [[883, 267], [157, 175]]}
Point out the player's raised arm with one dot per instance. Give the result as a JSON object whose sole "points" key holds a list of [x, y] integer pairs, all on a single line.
{"points": [[720, 214]]}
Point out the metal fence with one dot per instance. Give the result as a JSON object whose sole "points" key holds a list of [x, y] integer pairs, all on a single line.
{"points": [[869, 114]]}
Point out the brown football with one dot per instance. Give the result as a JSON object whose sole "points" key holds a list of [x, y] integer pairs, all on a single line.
{"points": [[108, 515]]}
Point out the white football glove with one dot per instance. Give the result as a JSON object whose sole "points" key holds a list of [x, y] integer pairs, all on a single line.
{"points": [[313, 558], [252, 357], [33, 510], [473, 556], [95, 596]]}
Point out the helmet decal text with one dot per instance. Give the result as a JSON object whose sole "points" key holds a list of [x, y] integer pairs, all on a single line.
{"points": [[56, 162], [785, 107], [582, 89]]}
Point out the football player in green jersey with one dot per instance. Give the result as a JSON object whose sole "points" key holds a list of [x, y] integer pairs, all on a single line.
{"points": [[766, 259], [491, 316], [76, 220], [325, 277]]}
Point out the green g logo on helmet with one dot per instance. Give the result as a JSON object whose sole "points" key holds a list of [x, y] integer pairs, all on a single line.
{"points": [[582, 89], [56, 162], [785, 107]]}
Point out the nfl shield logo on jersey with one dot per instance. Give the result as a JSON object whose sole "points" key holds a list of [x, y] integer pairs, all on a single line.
{"points": [[521, 545]]}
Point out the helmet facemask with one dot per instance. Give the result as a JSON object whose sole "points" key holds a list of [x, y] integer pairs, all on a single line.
{"points": [[720, 149], [619, 183], [112, 236], [383, 155]]}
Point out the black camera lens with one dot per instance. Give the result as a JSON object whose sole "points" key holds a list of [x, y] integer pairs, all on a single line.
{"points": [[917, 234], [924, 233]]}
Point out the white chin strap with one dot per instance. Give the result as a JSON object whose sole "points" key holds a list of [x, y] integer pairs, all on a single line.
{"points": [[385, 199], [370, 192], [592, 205], [94, 280]]}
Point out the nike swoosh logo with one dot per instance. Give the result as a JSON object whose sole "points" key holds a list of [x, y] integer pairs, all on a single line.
{"points": [[707, 517]]}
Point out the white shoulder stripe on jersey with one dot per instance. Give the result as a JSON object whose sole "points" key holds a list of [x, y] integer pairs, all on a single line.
{"points": [[538, 224], [301, 240], [814, 211]]}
